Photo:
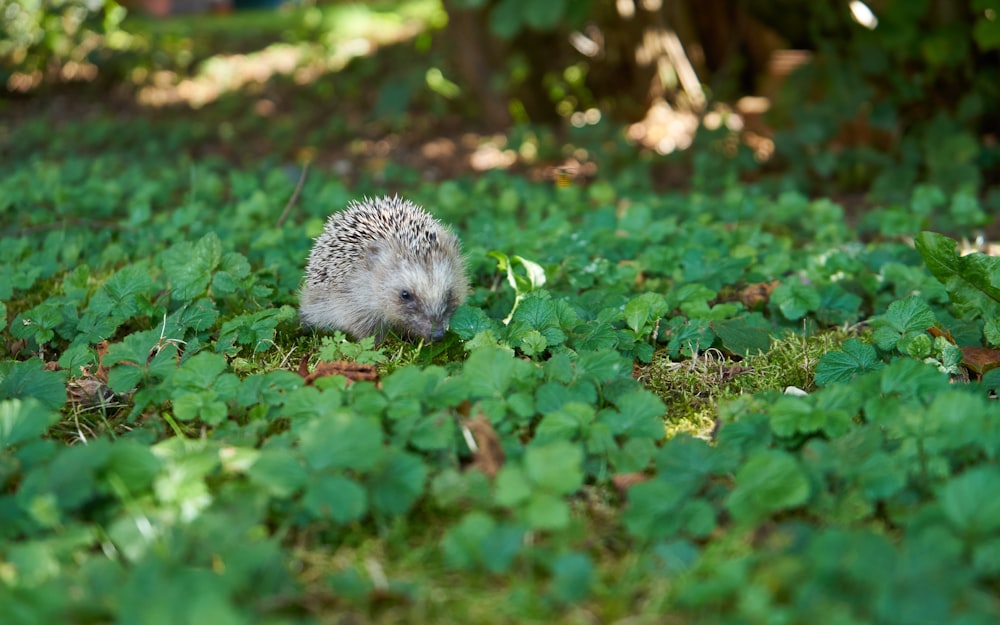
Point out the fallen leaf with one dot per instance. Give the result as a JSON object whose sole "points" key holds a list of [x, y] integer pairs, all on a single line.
{"points": [[936, 332], [755, 295], [625, 481], [102, 371], [350, 370], [89, 391], [980, 359], [488, 454]]}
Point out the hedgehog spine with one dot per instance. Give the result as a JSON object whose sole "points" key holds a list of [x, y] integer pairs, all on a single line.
{"points": [[384, 263]]}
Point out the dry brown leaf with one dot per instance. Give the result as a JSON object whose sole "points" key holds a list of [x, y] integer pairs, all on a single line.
{"points": [[102, 371], [88, 390], [488, 456], [625, 481], [16, 345], [936, 332], [350, 370], [727, 373], [980, 359], [754, 295]]}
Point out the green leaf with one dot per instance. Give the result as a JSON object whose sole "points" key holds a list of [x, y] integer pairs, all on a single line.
{"points": [[200, 371], [181, 484], [477, 541], [986, 32], [689, 336], [544, 15], [968, 503], [769, 482], [792, 416], [600, 366], [405, 383], [856, 358], [136, 348], [640, 414], [463, 542], [189, 266], [118, 296], [24, 379], [39, 322], [235, 267], [904, 320], [512, 486], [795, 300], [204, 406], [22, 420], [913, 379], [532, 279], [278, 472], [506, 18], [537, 310], [342, 441], [880, 476], [555, 467], [634, 456], [433, 432], [637, 313], [397, 484], [687, 461], [254, 329], [533, 343], [652, 509], [489, 372], [336, 497], [546, 512], [468, 321], [573, 576], [745, 335], [972, 281], [134, 466], [567, 422], [675, 556], [837, 306], [644, 309]]}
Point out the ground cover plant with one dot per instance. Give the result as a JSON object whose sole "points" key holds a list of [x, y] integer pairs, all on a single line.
{"points": [[731, 403]]}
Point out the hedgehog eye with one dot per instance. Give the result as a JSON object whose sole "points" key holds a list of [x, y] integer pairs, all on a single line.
{"points": [[405, 295]]}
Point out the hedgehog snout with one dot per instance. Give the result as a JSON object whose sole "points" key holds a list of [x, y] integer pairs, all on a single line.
{"points": [[433, 328]]}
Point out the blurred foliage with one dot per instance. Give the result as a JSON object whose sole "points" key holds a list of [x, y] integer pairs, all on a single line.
{"points": [[871, 110], [35, 34], [912, 99]]}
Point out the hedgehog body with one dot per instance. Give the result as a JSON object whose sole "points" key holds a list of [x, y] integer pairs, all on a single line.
{"points": [[382, 264]]}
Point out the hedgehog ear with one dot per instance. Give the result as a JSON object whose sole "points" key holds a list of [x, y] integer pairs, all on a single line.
{"points": [[373, 251]]}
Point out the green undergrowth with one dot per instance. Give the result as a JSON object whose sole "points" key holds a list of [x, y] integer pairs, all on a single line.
{"points": [[163, 460], [693, 389]]}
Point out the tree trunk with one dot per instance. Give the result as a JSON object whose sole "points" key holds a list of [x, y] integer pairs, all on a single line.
{"points": [[468, 39]]}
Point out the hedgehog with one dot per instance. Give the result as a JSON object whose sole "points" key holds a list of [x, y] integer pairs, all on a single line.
{"points": [[384, 264]]}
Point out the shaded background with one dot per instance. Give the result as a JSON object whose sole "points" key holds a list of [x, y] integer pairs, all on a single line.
{"points": [[858, 100]]}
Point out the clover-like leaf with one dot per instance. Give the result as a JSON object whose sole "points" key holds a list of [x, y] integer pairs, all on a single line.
{"points": [[853, 359], [769, 482]]}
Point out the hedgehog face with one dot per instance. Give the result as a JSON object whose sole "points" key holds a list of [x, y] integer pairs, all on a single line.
{"points": [[417, 296]]}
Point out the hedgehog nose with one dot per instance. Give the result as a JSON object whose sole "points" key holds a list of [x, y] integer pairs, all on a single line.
{"points": [[437, 334]]}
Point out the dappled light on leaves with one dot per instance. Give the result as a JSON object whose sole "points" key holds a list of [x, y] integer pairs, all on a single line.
{"points": [[714, 363]]}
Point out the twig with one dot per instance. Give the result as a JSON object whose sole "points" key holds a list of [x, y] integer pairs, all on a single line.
{"points": [[295, 195]]}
